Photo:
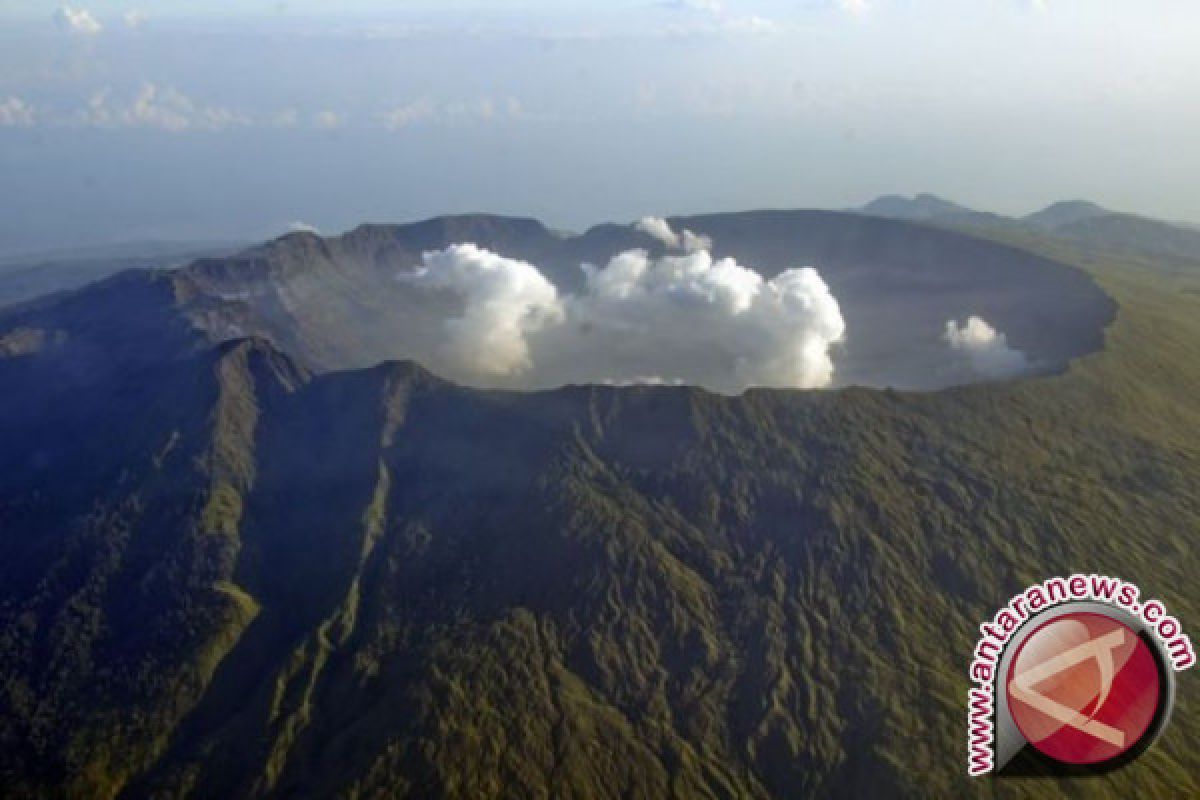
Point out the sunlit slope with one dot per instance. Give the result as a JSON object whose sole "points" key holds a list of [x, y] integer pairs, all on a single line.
{"points": [[412, 589]]}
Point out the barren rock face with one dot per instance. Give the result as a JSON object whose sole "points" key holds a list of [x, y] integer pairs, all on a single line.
{"points": [[337, 303]]}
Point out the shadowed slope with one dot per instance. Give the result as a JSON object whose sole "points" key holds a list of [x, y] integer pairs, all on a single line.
{"points": [[377, 582]]}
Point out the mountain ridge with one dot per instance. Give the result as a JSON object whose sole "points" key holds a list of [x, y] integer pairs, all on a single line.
{"points": [[225, 574], [1080, 221], [1065, 212], [336, 303]]}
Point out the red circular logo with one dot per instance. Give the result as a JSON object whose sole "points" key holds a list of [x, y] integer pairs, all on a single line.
{"points": [[1083, 688]]}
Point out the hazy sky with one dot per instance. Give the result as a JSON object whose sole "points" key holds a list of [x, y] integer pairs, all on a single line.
{"points": [[123, 121]]}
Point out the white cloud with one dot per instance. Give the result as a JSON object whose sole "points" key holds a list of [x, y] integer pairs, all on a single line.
{"points": [[425, 110], [716, 19], [328, 120], [660, 229], [302, 227], [483, 108], [162, 108], [134, 18], [16, 113], [857, 8], [165, 108], [405, 115], [692, 242], [504, 301], [752, 24], [985, 348], [678, 319], [706, 6], [712, 323], [77, 20]]}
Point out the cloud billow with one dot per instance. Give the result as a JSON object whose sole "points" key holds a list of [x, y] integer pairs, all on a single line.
{"points": [[504, 302], [16, 113], [685, 240], [159, 108], [77, 21], [688, 318], [985, 348]]}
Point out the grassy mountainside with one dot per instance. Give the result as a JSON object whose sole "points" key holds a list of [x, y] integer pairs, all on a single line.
{"points": [[1133, 234], [1083, 223], [223, 577]]}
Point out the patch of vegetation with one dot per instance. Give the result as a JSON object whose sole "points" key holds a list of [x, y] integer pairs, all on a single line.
{"points": [[426, 590]]}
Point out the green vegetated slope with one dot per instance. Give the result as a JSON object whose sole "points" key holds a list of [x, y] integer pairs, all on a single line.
{"points": [[230, 578]]}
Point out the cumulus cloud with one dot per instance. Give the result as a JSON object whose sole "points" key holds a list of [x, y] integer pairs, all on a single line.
{"points": [[165, 108], [302, 227], [857, 8], [693, 319], [155, 107], [660, 229], [753, 24], [407, 114], [77, 20], [678, 319], [425, 110], [16, 113], [691, 242], [504, 301], [162, 108], [985, 348]]}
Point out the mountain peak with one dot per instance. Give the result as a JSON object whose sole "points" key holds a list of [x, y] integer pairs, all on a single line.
{"points": [[260, 358], [1065, 212], [923, 206]]}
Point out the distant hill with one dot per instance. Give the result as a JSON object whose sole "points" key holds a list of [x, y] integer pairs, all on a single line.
{"points": [[1075, 220], [931, 208], [920, 207], [28, 276], [1088, 223], [1067, 212], [1135, 234]]}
